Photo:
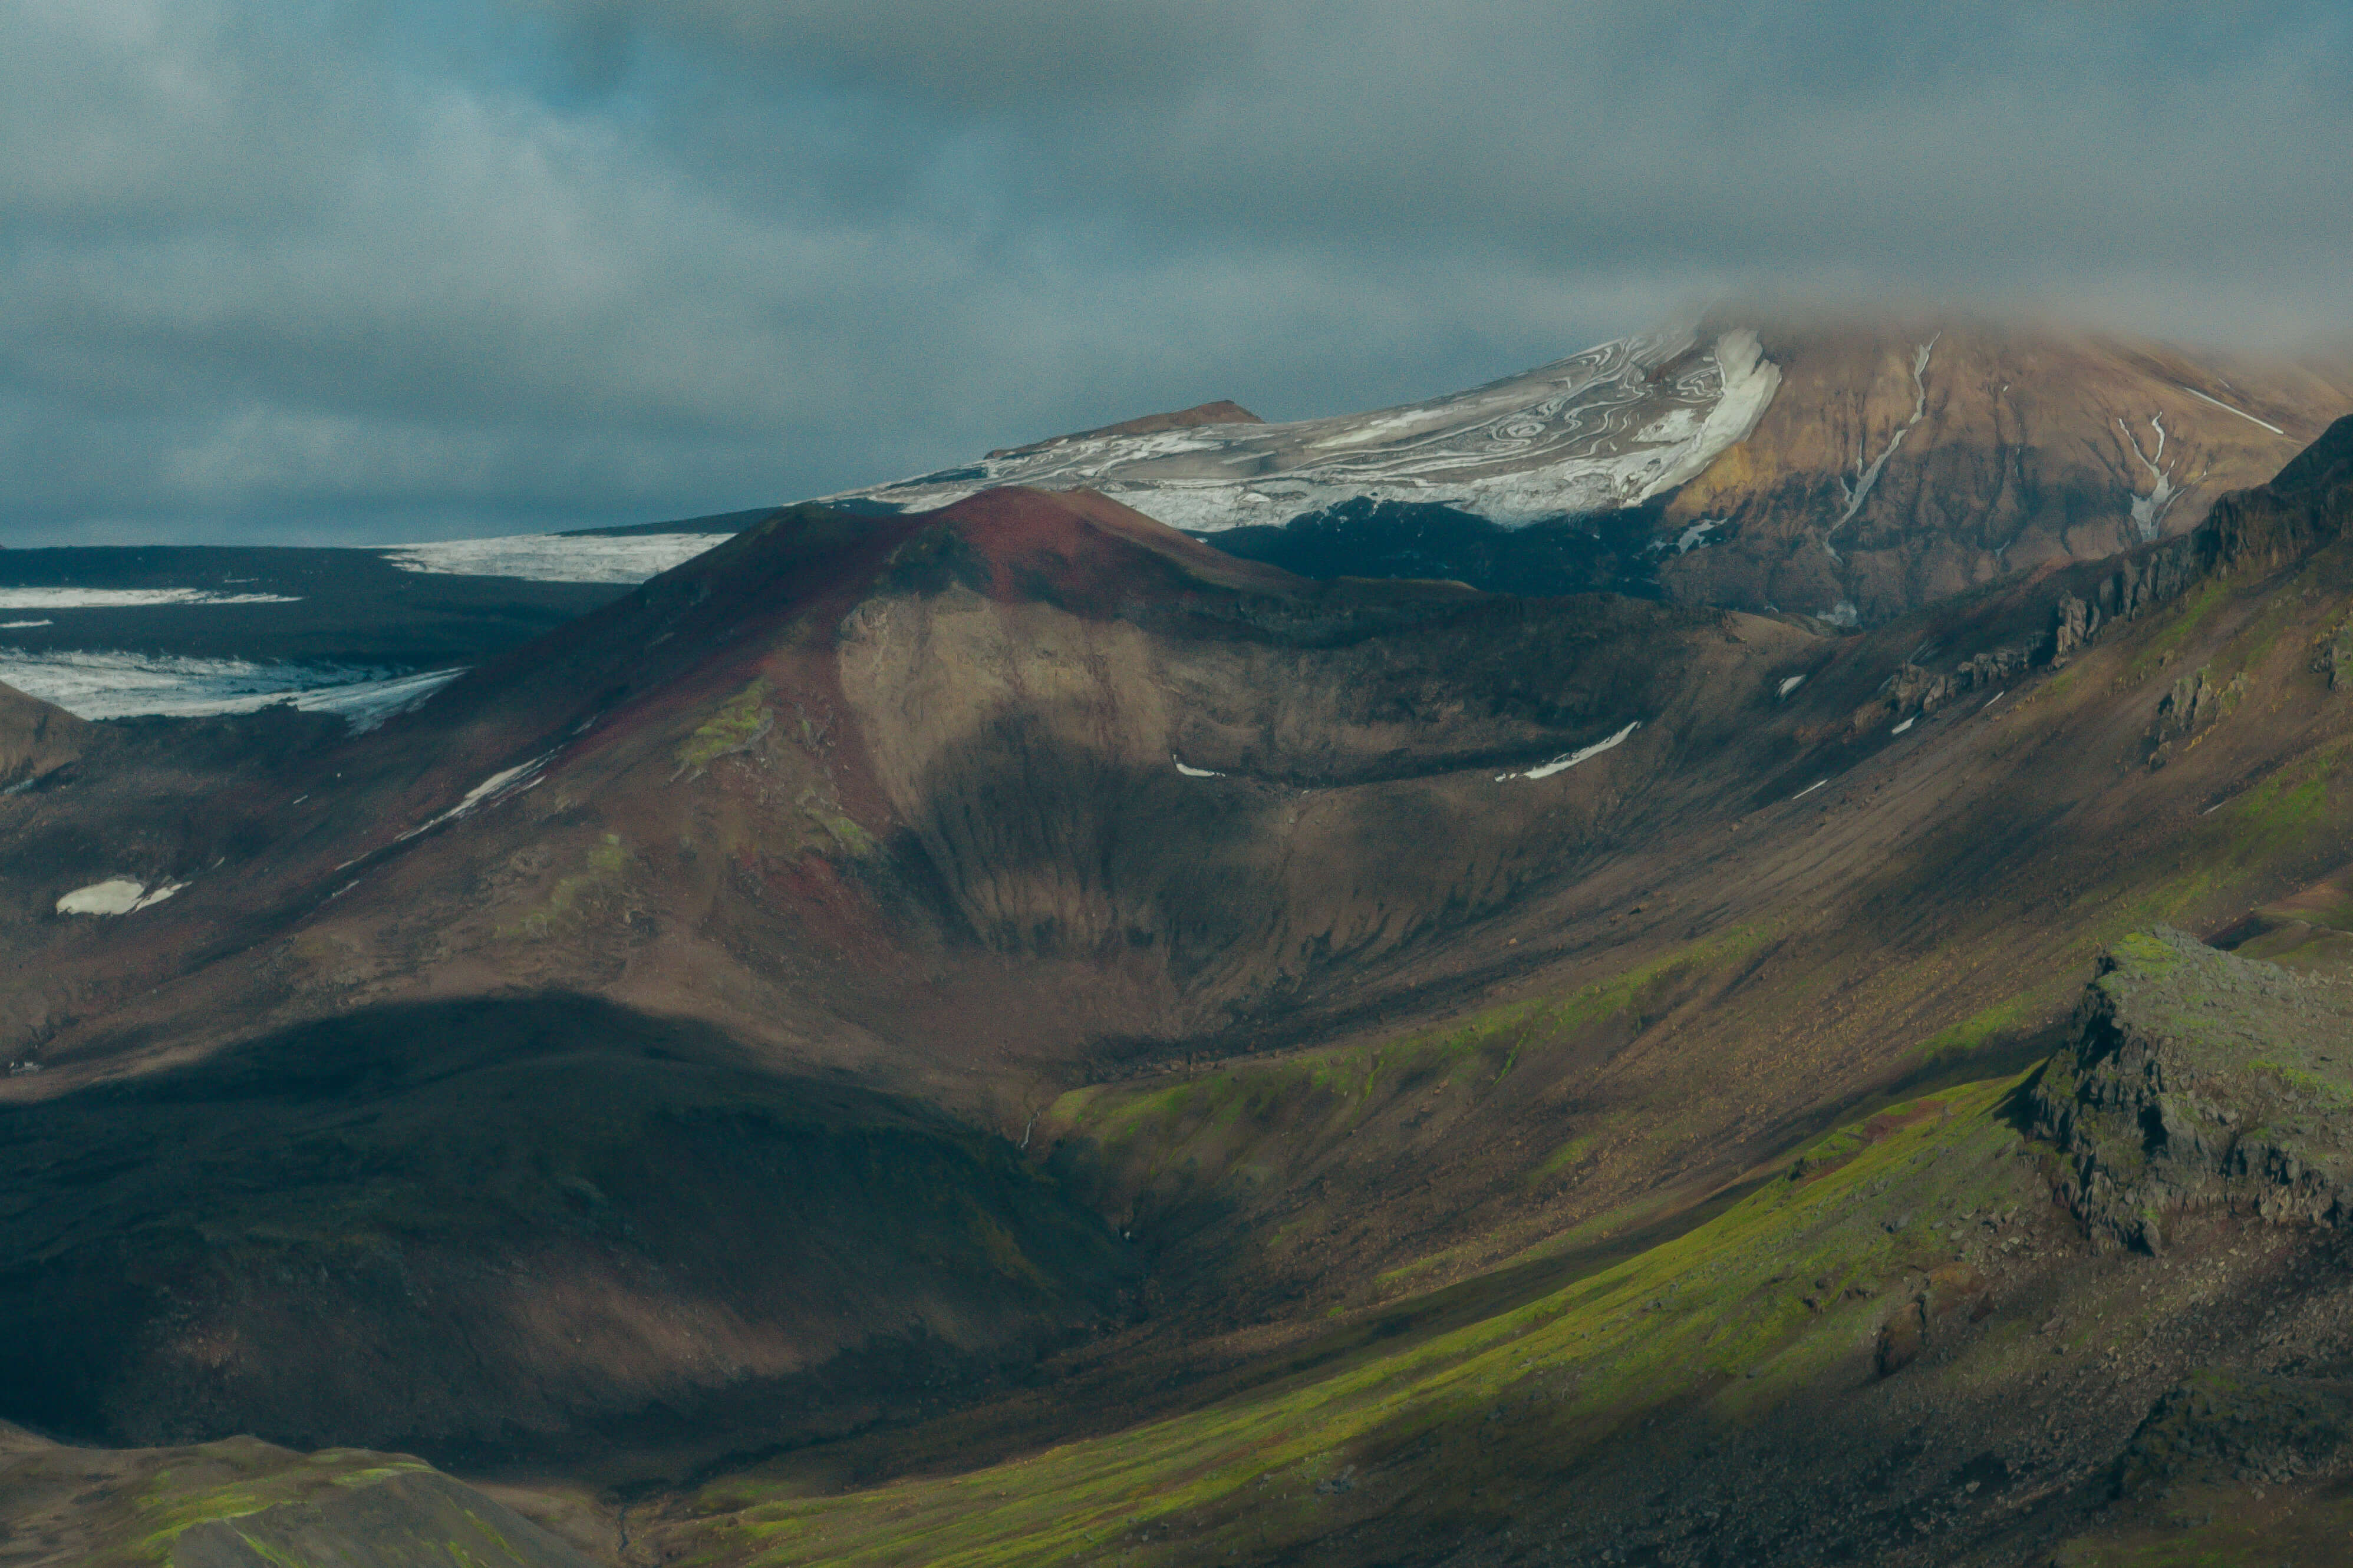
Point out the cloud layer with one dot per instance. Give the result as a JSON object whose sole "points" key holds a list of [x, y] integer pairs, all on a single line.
{"points": [[369, 271]]}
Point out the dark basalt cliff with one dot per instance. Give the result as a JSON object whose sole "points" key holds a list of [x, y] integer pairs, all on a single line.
{"points": [[2201, 1080]]}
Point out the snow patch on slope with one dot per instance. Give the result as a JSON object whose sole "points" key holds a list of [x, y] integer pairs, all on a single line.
{"points": [[497, 787], [1563, 764], [2148, 512], [1605, 428], [115, 896]]}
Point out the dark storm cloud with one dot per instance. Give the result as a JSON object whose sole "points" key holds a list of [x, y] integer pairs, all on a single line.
{"points": [[378, 270]]}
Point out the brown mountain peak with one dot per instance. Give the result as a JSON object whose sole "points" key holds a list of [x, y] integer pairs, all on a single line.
{"points": [[1222, 412]]}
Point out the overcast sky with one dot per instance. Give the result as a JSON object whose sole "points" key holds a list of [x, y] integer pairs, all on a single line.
{"points": [[371, 270]]}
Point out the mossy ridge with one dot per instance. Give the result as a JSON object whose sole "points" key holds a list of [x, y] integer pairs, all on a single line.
{"points": [[1976, 1032], [191, 1491], [1716, 1314], [1212, 1127], [2201, 1080], [2221, 857]]}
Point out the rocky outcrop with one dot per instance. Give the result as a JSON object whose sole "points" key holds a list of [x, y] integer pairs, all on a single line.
{"points": [[2334, 660], [2213, 1427], [2201, 1080], [2196, 700], [1914, 691], [1929, 1312], [2308, 505]]}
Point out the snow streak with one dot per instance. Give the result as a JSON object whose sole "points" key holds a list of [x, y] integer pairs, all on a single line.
{"points": [[1866, 477], [2228, 409], [1562, 764], [497, 787], [2148, 512]]}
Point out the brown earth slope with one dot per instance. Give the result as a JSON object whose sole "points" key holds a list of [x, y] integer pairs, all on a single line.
{"points": [[910, 802], [1897, 467]]}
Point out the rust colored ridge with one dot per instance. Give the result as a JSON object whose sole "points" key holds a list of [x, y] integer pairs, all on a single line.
{"points": [[1084, 550], [759, 605], [1222, 412]]}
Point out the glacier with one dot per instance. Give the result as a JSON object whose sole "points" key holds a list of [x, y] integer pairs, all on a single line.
{"points": [[123, 684], [1612, 426], [556, 557]]}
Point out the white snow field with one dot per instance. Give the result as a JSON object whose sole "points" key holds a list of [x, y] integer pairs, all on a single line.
{"points": [[556, 557], [129, 685], [1608, 427]]}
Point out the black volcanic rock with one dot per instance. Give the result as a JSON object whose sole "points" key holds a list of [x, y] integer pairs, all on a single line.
{"points": [[1616, 552], [2200, 1080]]}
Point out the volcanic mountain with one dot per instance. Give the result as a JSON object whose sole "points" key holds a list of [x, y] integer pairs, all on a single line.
{"points": [[1850, 471], [1004, 1033]]}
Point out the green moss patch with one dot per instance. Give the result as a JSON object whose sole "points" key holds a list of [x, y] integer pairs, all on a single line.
{"points": [[740, 723], [1773, 1294]]}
